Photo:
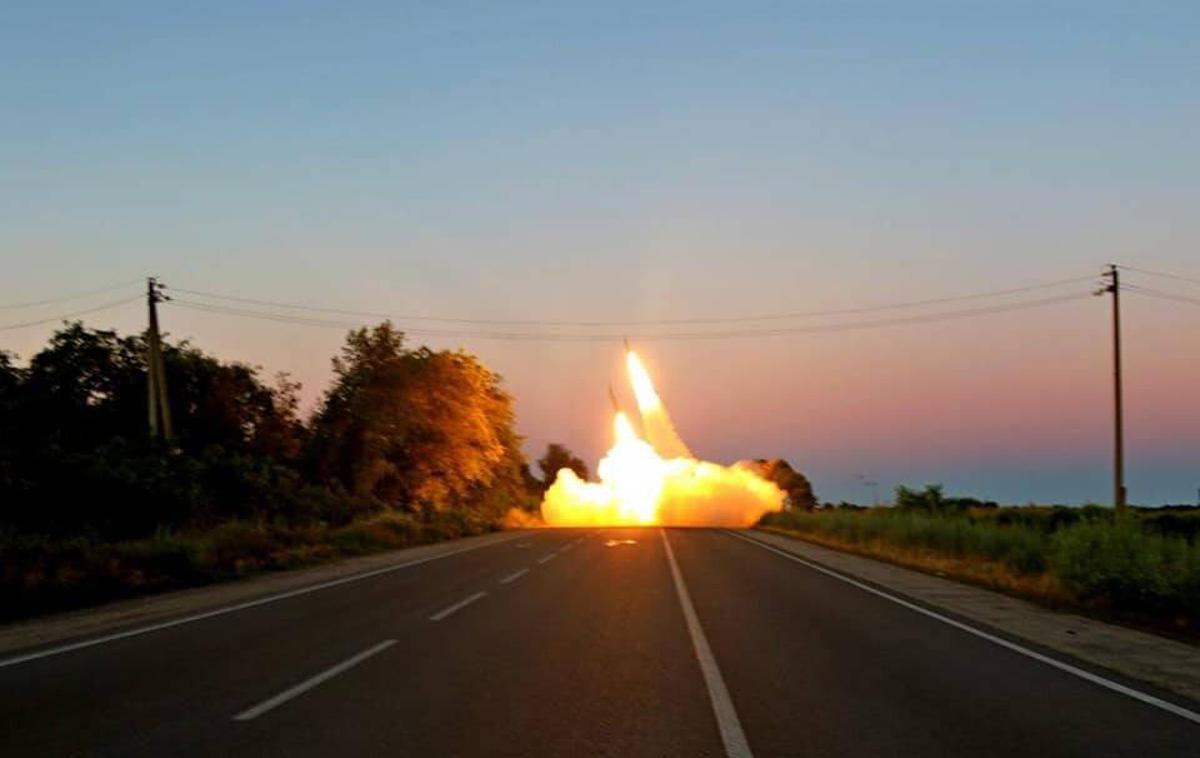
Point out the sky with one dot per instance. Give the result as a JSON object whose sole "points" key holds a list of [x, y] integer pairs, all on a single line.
{"points": [[650, 161]]}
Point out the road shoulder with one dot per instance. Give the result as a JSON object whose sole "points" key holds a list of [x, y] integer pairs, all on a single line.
{"points": [[1165, 663], [89, 622]]}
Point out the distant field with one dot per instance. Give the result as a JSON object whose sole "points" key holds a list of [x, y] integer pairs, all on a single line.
{"points": [[1144, 565]]}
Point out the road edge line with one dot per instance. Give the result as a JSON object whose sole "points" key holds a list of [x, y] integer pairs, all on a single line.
{"points": [[728, 723], [70, 647], [1076, 671]]}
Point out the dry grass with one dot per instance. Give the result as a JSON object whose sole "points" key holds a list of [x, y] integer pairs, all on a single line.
{"points": [[991, 574]]}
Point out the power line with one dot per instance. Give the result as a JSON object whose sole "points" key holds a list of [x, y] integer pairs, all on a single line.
{"points": [[72, 296], [1137, 290], [64, 316], [1163, 274], [658, 322], [281, 317], [643, 337]]}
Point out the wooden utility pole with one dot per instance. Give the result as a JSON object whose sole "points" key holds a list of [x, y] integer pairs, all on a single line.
{"points": [[159, 410], [1113, 287]]}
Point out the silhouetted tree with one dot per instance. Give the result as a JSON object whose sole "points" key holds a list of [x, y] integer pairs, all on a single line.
{"points": [[795, 485], [411, 428], [557, 457], [75, 456], [930, 499]]}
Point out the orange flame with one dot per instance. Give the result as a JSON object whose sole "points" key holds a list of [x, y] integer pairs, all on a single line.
{"points": [[656, 480], [656, 424]]}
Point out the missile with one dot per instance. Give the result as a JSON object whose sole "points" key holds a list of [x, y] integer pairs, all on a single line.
{"points": [[626, 341], [612, 398]]}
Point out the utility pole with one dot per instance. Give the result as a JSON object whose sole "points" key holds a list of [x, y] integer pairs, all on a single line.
{"points": [[1112, 286], [159, 410]]}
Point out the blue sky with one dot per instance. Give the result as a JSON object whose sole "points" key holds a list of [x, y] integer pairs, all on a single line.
{"points": [[621, 161]]}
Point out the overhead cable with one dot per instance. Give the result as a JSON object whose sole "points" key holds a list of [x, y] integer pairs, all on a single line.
{"points": [[64, 316], [1138, 290], [1162, 274], [71, 296], [640, 337], [623, 323]]}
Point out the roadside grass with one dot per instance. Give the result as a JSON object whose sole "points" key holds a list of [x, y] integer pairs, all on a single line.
{"points": [[39, 574], [1126, 565]]}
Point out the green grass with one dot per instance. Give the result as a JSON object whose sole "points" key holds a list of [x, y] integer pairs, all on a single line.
{"points": [[1095, 558], [1122, 564]]}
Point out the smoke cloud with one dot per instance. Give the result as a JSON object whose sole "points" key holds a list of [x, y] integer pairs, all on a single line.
{"points": [[657, 480]]}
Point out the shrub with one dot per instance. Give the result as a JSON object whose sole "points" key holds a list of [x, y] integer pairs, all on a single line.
{"points": [[365, 537], [1119, 563], [1132, 562]]}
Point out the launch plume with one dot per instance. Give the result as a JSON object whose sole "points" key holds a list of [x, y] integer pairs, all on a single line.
{"points": [[657, 480], [656, 423]]}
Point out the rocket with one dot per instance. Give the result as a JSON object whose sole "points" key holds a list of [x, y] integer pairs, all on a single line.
{"points": [[612, 396]]}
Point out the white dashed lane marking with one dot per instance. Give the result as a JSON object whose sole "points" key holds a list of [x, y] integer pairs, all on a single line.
{"points": [[457, 606]]}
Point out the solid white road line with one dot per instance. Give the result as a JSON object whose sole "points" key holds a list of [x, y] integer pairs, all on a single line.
{"points": [[308, 684], [514, 576], [1049, 661], [456, 607], [727, 719], [239, 607], [546, 558]]}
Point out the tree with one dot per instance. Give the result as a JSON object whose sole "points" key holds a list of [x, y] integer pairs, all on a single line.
{"points": [[419, 429], [930, 499], [84, 388], [11, 384], [75, 456], [795, 485], [88, 387], [12, 380], [559, 457], [10, 375], [227, 404], [415, 429]]}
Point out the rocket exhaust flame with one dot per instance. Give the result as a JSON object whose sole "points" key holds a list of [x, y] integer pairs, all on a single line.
{"points": [[656, 424], [656, 480]]}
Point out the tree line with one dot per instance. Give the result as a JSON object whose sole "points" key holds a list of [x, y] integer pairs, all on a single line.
{"points": [[426, 432]]}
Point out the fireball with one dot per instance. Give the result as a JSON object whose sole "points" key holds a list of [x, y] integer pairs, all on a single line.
{"points": [[656, 480]]}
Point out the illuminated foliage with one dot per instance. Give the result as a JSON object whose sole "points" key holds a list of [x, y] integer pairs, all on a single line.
{"points": [[413, 428]]}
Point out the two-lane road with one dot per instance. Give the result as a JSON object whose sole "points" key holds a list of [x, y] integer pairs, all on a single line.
{"points": [[622, 642]]}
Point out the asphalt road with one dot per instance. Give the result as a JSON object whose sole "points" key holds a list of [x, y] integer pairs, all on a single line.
{"points": [[680, 643]]}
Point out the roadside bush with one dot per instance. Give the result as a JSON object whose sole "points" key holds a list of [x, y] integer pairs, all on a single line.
{"points": [[1022, 549], [39, 573], [1121, 564], [366, 537], [1127, 562], [164, 558]]}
